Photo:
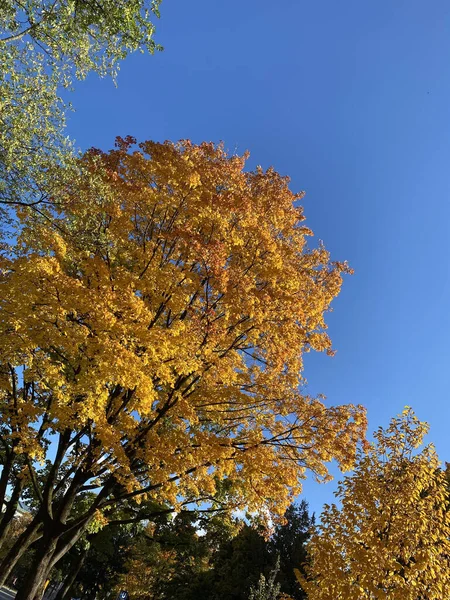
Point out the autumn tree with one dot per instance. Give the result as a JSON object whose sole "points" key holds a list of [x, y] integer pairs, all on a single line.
{"points": [[44, 46], [157, 351], [390, 537]]}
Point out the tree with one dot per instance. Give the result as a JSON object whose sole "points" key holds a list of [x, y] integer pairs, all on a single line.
{"points": [[250, 560], [211, 556], [289, 544], [44, 46], [235, 567], [92, 569], [266, 589], [18, 525], [391, 536], [167, 558], [15, 529], [158, 350]]}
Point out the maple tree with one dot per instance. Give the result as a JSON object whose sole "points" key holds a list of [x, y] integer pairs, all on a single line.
{"points": [[158, 350], [390, 538]]}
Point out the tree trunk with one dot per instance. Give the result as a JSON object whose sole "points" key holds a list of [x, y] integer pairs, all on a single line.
{"points": [[22, 544], [41, 590], [64, 591], [65, 545], [4, 478], [11, 506], [34, 587], [55, 543]]}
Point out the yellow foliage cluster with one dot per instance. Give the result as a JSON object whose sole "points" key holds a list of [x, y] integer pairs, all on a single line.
{"points": [[390, 538], [160, 313]]}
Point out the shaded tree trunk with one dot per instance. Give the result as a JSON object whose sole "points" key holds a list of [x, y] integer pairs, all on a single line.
{"points": [[55, 543], [22, 544], [58, 536], [4, 478], [8, 515], [64, 591], [34, 587]]}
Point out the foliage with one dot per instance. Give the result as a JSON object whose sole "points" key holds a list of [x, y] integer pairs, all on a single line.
{"points": [[288, 542], [171, 296], [106, 556], [19, 524], [391, 536], [266, 589], [44, 45], [179, 560], [235, 567], [143, 307], [239, 563], [199, 556], [166, 559]]}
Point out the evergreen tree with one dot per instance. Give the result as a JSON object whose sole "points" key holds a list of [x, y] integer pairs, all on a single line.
{"points": [[289, 544], [267, 589]]}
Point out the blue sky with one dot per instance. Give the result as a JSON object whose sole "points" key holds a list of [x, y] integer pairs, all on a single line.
{"points": [[352, 100]]}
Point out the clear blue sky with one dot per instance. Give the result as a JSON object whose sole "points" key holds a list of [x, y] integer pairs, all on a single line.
{"points": [[352, 100]]}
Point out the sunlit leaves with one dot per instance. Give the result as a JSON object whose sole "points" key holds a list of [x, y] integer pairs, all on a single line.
{"points": [[170, 298], [390, 538]]}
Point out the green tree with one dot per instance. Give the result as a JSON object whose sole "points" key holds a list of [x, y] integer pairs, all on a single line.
{"points": [[267, 588], [289, 544], [249, 560], [92, 569], [235, 567], [166, 558], [44, 46], [208, 556]]}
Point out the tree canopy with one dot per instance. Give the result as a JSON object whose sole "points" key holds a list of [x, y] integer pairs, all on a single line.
{"points": [[170, 298], [390, 538], [44, 46]]}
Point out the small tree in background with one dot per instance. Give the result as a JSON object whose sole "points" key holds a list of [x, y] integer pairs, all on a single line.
{"points": [[390, 538], [289, 544], [267, 588]]}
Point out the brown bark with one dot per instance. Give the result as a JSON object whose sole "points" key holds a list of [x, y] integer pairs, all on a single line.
{"points": [[8, 515], [4, 478], [64, 591], [21, 545], [33, 588]]}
